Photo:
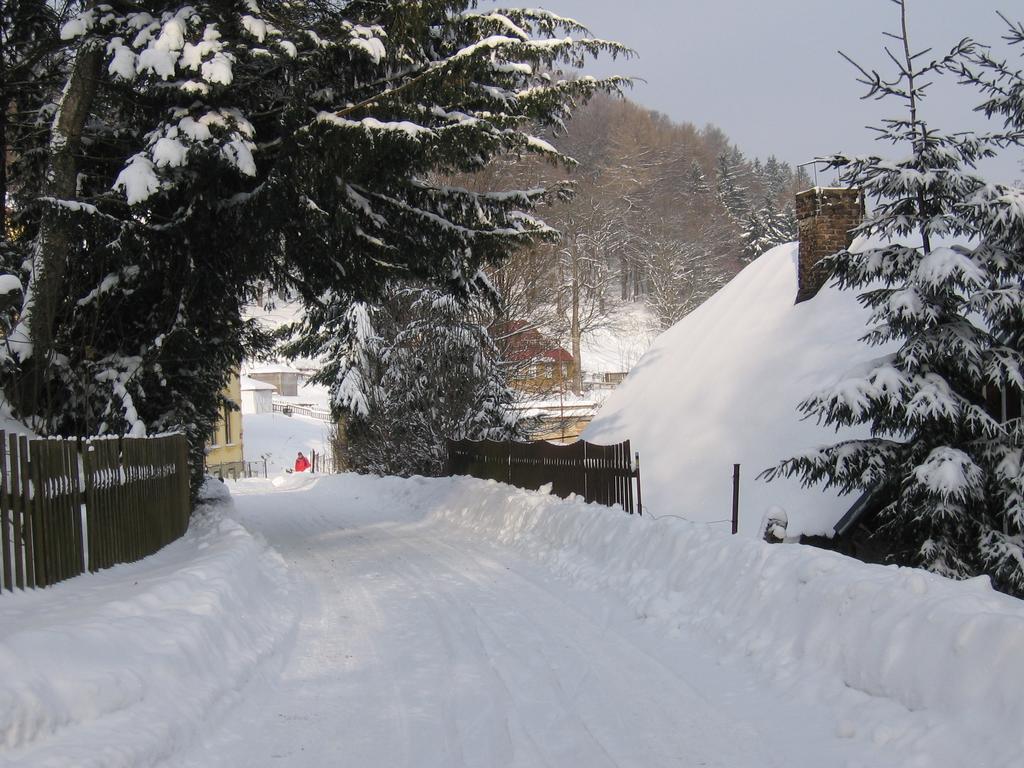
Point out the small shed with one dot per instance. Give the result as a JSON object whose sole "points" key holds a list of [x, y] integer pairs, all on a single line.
{"points": [[282, 376], [257, 396]]}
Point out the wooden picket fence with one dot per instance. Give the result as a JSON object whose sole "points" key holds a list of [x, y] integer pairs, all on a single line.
{"points": [[67, 506], [598, 473]]}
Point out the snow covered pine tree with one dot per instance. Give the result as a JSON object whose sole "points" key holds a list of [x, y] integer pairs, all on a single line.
{"points": [[221, 146], [947, 471], [996, 214], [409, 372]]}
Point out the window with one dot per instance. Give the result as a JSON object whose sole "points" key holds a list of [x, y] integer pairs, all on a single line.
{"points": [[227, 424]]}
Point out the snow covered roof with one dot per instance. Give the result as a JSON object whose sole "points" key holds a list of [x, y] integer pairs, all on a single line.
{"points": [[523, 342], [249, 384], [722, 386], [268, 366]]}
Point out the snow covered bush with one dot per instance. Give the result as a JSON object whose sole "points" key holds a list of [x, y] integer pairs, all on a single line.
{"points": [[947, 471]]}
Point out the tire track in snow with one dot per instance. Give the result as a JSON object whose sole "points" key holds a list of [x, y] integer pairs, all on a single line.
{"points": [[554, 624], [453, 651]]}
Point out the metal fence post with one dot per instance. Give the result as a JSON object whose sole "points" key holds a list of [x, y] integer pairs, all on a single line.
{"points": [[735, 499]]}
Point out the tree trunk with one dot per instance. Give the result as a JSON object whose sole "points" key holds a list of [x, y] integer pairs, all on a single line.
{"points": [[577, 370], [55, 237], [4, 106], [46, 288]]}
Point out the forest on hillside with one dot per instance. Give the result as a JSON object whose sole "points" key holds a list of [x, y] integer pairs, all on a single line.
{"points": [[655, 212]]}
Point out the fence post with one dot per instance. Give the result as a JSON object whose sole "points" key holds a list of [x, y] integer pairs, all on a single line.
{"points": [[639, 495], [735, 499], [6, 537]]}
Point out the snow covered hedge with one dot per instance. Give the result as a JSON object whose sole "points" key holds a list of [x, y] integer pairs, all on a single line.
{"points": [[117, 669], [947, 652]]}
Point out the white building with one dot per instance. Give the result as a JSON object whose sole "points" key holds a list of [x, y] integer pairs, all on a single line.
{"points": [[257, 396], [286, 378]]}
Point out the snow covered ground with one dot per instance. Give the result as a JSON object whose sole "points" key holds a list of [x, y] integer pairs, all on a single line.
{"points": [[277, 439], [457, 622], [621, 341]]}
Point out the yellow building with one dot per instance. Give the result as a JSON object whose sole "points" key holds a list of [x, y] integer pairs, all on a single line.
{"points": [[224, 456]]}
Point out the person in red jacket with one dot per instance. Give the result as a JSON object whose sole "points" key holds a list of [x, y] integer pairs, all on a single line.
{"points": [[301, 463]]}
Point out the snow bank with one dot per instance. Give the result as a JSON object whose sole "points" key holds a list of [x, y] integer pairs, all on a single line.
{"points": [[121, 667], [722, 386], [949, 655]]}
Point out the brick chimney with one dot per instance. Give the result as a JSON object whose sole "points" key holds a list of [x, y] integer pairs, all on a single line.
{"points": [[825, 216]]}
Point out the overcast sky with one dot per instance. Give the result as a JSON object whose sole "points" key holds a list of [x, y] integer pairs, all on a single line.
{"points": [[767, 72]]}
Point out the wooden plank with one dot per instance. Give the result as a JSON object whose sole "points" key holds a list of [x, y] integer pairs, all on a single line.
{"points": [[184, 497], [154, 497], [71, 452], [614, 492], [56, 524], [627, 464], [135, 550], [154, 510], [59, 522], [143, 515], [52, 525], [8, 542], [92, 522], [119, 520], [62, 502], [12, 488], [112, 513], [167, 487], [37, 514], [24, 574], [142, 512], [99, 506]]}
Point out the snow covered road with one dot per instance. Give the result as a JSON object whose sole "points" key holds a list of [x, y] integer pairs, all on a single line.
{"points": [[446, 623], [426, 645], [420, 647]]}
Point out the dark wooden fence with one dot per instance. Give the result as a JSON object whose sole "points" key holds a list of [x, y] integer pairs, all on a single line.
{"points": [[598, 473], [67, 506]]}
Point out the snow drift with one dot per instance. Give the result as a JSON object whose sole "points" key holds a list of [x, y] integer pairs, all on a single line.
{"points": [[117, 669], [722, 386], [933, 664]]}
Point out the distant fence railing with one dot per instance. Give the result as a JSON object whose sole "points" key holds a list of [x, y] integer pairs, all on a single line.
{"points": [[320, 463], [599, 473], [237, 470], [67, 506], [309, 411]]}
